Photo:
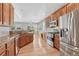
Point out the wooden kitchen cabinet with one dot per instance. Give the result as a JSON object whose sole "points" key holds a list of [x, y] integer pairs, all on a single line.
{"points": [[56, 15], [25, 39], [22, 40], [3, 54], [71, 7], [11, 48], [6, 15], [8, 48], [64, 10], [77, 5], [56, 41], [11, 12], [3, 50], [46, 23], [59, 13], [0, 13], [47, 20]]}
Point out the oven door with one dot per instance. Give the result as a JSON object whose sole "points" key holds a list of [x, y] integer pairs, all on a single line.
{"points": [[50, 41]]}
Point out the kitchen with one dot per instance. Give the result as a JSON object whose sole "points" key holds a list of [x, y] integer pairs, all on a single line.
{"points": [[38, 29]]}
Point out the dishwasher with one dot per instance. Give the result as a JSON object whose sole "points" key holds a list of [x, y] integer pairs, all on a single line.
{"points": [[50, 39]]}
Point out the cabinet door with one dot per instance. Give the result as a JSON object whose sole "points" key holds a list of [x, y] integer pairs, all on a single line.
{"points": [[2, 50], [6, 14], [70, 7], [64, 10], [77, 5], [21, 41], [3, 54], [56, 15], [11, 14], [0, 13], [30, 38], [59, 13], [57, 41], [10, 48], [46, 21]]}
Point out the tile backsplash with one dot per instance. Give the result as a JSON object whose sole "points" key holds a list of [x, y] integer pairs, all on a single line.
{"points": [[4, 31]]}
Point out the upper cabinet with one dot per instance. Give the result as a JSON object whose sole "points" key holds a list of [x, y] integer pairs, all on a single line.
{"points": [[71, 7], [77, 5], [11, 14], [6, 14], [63, 10], [47, 21], [56, 15], [0, 13], [60, 12]]}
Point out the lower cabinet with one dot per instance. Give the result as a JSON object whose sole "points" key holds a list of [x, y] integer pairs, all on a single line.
{"points": [[22, 41], [11, 48], [3, 54], [56, 41], [3, 50], [25, 39]]}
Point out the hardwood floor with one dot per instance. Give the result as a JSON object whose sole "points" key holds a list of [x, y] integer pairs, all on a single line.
{"points": [[39, 47]]}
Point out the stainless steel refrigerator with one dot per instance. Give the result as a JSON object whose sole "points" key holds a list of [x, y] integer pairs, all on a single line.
{"points": [[69, 31]]}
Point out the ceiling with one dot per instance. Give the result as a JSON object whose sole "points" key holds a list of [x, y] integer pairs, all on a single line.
{"points": [[34, 12]]}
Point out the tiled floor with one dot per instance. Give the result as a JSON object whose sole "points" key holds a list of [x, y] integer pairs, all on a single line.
{"points": [[39, 47]]}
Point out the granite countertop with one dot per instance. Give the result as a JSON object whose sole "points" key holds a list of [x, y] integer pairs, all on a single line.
{"points": [[7, 38]]}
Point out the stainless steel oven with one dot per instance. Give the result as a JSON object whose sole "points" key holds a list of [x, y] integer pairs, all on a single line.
{"points": [[50, 39]]}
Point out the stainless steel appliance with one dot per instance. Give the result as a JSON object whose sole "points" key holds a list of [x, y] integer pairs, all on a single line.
{"points": [[69, 28], [53, 24], [50, 39]]}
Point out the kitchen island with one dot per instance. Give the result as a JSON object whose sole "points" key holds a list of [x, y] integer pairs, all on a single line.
{"points": [[25, 38]]}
